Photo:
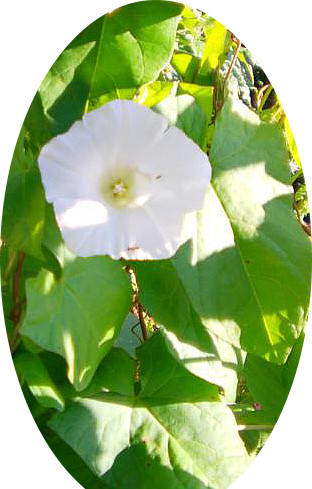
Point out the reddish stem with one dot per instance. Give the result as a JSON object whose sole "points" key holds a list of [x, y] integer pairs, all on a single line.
{"points": [[16, 311]]}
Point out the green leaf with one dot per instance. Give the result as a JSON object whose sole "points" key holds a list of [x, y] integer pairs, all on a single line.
{"points": [[96, 430], [23, 211], [184, 441], [21, 160], [53, 242], [71, 461], [115, 373], [136, 43], [134, 467], [270, 384], [200, 439], [200, 324], [202, 95], [163, 378], [290, 367], [216, 35], [79, 316], [36, 125], [110, 59], [265, 382], [185, 112], [251, 178], [30, 367], [153, 93], [62, 73], [130, 336], [186, 66]]}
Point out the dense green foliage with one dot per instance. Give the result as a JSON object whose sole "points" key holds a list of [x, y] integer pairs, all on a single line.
{"points": [[191, 404]]}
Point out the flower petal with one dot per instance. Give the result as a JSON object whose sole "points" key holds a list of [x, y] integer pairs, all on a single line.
{"points": [[149, 240], [175, 151], [60, 181], [73, 214], [73, 150], [136, 128]]}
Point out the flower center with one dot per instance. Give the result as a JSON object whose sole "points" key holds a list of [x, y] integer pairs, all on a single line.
{"points": [[120, 189], [125, 188]]}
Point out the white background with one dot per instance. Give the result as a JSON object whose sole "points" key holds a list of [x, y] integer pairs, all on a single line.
{"points": [[32, 35]]}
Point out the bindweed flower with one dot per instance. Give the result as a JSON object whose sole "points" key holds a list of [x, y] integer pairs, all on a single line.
{"points": [[121, 182]]}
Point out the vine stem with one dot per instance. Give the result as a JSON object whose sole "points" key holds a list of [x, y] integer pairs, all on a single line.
{"points": [[231, 67], [137, 308], [142, 322], [306, 227], [16, 310], [263, 95]]}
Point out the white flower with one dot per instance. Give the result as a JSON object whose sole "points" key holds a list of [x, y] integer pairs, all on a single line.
{"points": [[121, 181]]}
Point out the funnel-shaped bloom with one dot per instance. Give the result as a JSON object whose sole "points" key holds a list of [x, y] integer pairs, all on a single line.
{"points": [[121, 181]]}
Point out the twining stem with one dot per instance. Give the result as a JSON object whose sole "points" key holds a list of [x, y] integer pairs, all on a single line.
{"points": [[231, 67], [142, 322], [263, 96], [17, 306], [219, 99], [137, 308]]}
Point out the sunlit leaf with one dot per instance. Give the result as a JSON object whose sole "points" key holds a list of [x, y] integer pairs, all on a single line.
{"points": [[246, 155], [80, 315]]}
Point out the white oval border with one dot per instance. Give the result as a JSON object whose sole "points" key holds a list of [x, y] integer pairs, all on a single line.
{"points": [[33, 34]]}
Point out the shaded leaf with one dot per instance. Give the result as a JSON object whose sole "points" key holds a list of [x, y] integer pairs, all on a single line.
{"points": [[24, 211], [30, 368], [130, 336], [115, 373], [162, 377], [197, 442], [110, 59], [269, 383]]}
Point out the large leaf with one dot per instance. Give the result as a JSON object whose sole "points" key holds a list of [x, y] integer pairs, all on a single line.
{"points": [[182, 443], [111, 58], [251, 178], [80, 315], [136, 43], [199, 323]]}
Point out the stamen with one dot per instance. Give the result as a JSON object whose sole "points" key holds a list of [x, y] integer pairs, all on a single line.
{"points": [[119, 189]]}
